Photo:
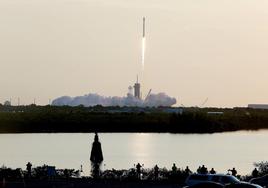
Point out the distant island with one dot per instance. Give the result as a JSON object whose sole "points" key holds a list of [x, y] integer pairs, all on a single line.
{"points": [[66, 119]]}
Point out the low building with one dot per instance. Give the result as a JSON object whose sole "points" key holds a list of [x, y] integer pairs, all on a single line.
{"points": [[258, 106], [173, 110], [215, 113]]}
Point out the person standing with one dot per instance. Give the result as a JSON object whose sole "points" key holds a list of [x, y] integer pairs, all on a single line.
{"points": [[233, 171], [138, 170], [29, 169], [188, 171], [156, 172], [255, 173], [174, 168], [203, 170], [212, 171]]}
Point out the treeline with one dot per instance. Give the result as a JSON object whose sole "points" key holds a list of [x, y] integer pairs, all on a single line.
{"points": [[35, 119]]}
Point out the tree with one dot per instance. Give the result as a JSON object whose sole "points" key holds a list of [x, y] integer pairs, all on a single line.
{"points": [[262, 167], [96, 157]]}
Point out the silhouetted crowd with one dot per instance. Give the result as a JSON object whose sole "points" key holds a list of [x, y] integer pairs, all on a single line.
{"points": [[157, 173], [139, 172]]}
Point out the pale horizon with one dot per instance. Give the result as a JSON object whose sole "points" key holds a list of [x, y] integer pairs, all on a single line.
{"points": [[194, 49]]}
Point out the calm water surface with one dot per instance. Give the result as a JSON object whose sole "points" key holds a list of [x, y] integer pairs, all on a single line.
{"points": [[122, 150]]}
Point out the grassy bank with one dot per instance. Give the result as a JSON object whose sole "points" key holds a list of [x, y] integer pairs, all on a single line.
{"points": [[41, 119]]}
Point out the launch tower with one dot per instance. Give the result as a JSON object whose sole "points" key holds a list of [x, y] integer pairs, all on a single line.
{"points": [[137, 89]]}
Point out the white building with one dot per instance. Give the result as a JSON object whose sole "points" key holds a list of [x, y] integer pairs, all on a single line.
{"points": [[258, 106]]}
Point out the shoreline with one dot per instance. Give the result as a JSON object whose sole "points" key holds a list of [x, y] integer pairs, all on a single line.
{"points": [[66, 119]]}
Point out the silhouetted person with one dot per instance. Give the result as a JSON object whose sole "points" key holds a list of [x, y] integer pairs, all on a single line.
{"points": [[198, 170], [29, 169], [174, 168], [233, 171], [212, 171], [96, 157], [255, 173], [66, 173], [203, 170], [188, 171], [138, 170], [156, 172]]}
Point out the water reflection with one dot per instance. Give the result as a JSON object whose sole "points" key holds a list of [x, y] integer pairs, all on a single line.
{"points": [[140, 144], [221, 151]]}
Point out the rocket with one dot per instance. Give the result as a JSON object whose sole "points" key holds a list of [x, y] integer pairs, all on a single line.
{"points": [[143, 33]]}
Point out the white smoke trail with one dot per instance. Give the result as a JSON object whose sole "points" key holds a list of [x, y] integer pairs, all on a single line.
{"points": [[143, 53]]}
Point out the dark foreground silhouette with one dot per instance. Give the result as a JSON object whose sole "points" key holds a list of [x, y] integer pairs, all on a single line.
{"points": [[96, 157], [36, 119], [49, 176]]}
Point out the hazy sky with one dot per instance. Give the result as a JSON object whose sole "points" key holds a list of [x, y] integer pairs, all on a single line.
{"points": [[194, 49]]}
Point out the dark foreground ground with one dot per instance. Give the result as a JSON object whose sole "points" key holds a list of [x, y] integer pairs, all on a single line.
{"points": [[49, 176], [89, 184], [47, 119]]}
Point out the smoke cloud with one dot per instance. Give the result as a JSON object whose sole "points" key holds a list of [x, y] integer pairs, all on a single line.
{"points": [[153, 100]]}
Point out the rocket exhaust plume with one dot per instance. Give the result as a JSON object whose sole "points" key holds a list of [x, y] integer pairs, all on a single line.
{"points": [[91, 99], [143, 52], [143, 33], [143, 44]]}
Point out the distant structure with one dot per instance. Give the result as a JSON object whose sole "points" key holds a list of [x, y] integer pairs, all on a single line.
{"points": [[215, 113], [130, 90], [169, 110], [258, 106], [137, 89], [7, 103], [134, 98]]}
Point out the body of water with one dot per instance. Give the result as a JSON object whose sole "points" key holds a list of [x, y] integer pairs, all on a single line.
{"points": [[122, 150]]}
